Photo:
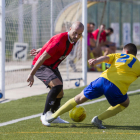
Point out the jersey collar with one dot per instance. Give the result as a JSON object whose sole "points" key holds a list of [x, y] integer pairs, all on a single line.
{"points": [[69, 39]]}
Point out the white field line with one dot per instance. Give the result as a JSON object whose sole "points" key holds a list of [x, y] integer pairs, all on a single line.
{"points": [[18, 120], [38, 115]]}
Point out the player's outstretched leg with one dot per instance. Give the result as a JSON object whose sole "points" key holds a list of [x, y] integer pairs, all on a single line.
{"points": [[59, 120], [66, 107], [56, 120], [80, 98], [54, 108], [111, 111], [96, 122]]}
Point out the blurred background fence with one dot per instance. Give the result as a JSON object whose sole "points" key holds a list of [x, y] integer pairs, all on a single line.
{"points": [[31, 23]]}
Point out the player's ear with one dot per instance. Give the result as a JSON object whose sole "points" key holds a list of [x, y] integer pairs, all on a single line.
{"points": [[70, 28], [126, 51]]}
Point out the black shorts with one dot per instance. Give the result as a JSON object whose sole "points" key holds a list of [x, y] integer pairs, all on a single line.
{"points": [[47, 74]]}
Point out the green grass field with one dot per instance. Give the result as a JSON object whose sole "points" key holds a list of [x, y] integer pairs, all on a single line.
{"points": [[124, 126]]}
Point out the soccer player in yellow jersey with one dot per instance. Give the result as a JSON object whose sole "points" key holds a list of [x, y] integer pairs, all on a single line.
{"points": [[113, 83]]}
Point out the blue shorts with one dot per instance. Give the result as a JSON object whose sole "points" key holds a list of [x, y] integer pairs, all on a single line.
{"points": [[102, 86]]}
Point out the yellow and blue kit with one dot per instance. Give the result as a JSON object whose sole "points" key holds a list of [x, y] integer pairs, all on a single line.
{"points": [[115, 81]]}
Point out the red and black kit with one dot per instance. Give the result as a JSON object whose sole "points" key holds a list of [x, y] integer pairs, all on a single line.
{"points": [[58, 47]]}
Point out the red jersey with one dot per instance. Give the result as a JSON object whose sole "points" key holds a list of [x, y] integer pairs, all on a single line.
{"points": [[89, 35], [102, 35], [58, 47]]}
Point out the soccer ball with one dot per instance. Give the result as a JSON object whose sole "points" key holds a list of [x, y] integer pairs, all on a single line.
{"points": [[77, 114]]}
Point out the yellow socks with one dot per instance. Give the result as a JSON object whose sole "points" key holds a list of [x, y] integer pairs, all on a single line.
{"points": [[111, 111], [65, 108]]}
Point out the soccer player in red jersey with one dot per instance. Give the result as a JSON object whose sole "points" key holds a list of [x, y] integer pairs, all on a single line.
{"points": [[45, 67], [102, 37], [107, 46]]}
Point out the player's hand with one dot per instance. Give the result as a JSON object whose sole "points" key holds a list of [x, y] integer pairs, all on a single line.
{"points": [[30, 79], [34, 52], [92, 62]]}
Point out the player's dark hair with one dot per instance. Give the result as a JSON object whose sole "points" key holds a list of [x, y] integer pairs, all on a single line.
{"points": [[131, 48], [110, 29], [92, 23]]}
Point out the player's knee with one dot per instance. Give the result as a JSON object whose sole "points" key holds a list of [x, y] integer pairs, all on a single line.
{"points": [[126, 103], [80, 98], [77, 98], [57, 88]]}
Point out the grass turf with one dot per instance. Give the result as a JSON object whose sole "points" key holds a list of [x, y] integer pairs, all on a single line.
{"points": [[123, 126]]}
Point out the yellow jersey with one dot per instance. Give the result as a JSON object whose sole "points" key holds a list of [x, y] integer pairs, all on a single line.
{"points": [[124, 69]]}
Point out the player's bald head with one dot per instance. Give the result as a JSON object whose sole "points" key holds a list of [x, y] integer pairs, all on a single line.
{"points": [[76, 31], [77, 25]]}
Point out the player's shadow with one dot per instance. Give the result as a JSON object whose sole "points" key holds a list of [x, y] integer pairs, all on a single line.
{"points": [[73, 125], [82, 125], [122, 127]]}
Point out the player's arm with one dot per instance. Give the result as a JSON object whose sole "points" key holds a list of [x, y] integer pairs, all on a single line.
{"points": [[92, 42], [50, 50], [39, 62], [99, 60]]}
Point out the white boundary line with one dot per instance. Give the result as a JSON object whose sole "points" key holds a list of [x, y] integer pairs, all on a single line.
{"points": [[38, 115], [18, 120]]}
